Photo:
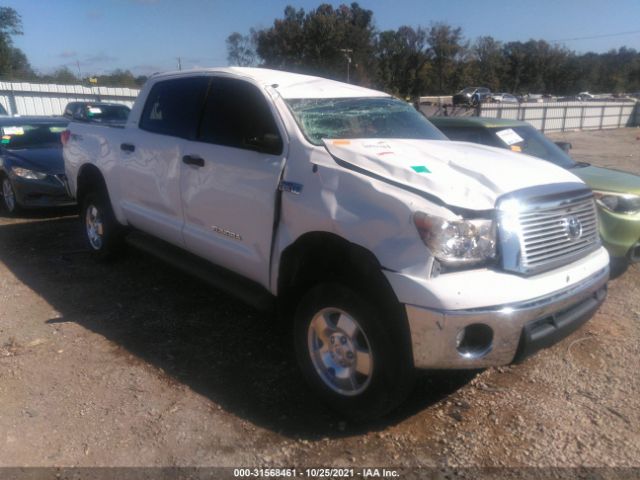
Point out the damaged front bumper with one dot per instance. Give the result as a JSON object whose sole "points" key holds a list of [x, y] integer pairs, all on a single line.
{"points": [[499, 335]]}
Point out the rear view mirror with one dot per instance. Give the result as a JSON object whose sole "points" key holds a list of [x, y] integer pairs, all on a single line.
{"points": [[565, 146]]}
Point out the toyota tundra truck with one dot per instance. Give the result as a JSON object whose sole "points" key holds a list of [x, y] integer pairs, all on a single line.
{"points": [[387, 247]]}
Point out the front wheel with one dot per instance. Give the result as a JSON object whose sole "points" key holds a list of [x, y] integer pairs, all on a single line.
{"points": [[9, 196], [102, 232], [350, 354]]}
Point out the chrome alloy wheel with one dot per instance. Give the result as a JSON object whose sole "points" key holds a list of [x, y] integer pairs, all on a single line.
{"points": [[340, 351], [94, 227], [8, 195]]}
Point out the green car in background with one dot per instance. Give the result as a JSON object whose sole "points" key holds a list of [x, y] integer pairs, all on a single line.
{"points": [[617, 193]]}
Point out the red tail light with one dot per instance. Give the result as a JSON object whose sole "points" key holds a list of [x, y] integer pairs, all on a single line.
{"points": [[64, 136]]}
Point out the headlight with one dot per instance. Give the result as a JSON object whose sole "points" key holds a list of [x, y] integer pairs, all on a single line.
{"points": [[618, 202], [457, 242], [28, 174]]}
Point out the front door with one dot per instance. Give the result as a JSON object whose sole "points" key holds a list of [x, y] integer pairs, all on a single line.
{"points": [[230, 179]]}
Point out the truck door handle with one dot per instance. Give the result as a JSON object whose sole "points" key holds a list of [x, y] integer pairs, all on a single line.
{"points": [[127, 147], [193, 160]]}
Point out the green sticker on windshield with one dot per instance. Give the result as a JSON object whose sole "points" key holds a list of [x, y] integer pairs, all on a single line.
{"points": [[420, 169]]}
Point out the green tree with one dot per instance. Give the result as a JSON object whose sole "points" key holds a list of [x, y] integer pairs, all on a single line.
{"points": [[240, 50], [402, 61], [447, 56], [487, 63], [321, 41], [13, 62]]}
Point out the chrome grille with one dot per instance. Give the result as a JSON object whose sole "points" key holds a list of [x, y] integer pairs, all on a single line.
{"points": [[545, 233]]}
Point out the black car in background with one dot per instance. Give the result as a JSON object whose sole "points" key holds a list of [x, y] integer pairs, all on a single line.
{"points": [[471, 96], [31, 163], [98, 112]]}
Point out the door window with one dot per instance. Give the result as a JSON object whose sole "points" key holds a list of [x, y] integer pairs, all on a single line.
{"points": [[173, 106], [237, 115]]}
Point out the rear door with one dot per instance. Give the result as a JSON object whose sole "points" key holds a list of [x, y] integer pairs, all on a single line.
{"points": [[230, 179], [151, 156]]}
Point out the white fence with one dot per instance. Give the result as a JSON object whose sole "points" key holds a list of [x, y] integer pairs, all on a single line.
{"points": [[49, 99], [561, 116]]}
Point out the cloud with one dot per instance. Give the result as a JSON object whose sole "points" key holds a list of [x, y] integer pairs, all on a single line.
{"points": [[68, 54], [98, 58]]}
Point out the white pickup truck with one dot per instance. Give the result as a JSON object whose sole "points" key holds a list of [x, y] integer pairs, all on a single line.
{"points": [[387, 246]]}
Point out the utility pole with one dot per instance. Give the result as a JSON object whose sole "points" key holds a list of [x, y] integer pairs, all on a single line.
{"points": [[179, 63], [347, 54], [79, 74]]}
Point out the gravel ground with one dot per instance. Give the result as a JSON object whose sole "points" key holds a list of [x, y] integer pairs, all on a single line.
{"points": [[135, 364]]}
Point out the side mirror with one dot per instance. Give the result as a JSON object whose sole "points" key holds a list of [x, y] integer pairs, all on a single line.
{"points": [[270, 143], [565, 146]]}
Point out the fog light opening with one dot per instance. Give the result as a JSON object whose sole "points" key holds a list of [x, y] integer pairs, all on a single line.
{"points": [[474, 341]]}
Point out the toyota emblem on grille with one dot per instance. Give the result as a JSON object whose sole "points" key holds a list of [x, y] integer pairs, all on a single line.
{"points": [[572, 227]]}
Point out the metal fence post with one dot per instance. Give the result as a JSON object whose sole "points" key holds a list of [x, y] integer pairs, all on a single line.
{"points": [[581, 117], [620, 116], [544, 118], [601, 116], [564, 117], [13, 106]]}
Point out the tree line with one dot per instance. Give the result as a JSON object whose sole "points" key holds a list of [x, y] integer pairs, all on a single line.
{"points": [[343, 43]]}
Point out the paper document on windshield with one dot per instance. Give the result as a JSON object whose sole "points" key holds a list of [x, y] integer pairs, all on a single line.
{"points": [[509, 137]]}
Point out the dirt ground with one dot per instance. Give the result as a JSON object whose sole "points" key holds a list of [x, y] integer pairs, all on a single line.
{"points": [[135, 364]]}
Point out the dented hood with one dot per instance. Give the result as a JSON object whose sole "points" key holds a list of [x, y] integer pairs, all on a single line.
{"points": [[459, 174]]}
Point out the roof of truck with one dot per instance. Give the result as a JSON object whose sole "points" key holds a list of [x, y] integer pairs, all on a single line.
{"points": [[289, 85]]}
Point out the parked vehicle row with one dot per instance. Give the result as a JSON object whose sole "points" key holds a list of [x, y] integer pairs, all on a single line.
{"points": [[31, 164]]}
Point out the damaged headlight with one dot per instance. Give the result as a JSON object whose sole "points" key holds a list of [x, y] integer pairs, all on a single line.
{"points": [[618, 202], [457, 242]]}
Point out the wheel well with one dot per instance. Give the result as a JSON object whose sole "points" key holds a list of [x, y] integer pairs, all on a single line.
{"points": [[324, 257], [90, 179]]}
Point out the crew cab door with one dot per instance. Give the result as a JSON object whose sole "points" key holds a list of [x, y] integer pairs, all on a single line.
{"points": [[230, 177], [151, 156]]}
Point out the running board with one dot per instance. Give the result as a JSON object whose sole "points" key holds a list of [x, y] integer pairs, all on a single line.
{"points": [[220, 278]]}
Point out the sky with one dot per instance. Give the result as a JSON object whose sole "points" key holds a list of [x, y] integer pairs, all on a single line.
{"points": [[147, 36]]}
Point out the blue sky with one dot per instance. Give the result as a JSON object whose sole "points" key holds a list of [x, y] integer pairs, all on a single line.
{"points": [[146, 36]]}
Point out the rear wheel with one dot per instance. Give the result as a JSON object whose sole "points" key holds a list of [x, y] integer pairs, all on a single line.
{"points": [[102, 232], [349, 353], [9, 196]]}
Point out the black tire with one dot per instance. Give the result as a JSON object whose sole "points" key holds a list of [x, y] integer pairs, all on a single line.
{"points": [[391, 375], [105, 238], [10, 207]]}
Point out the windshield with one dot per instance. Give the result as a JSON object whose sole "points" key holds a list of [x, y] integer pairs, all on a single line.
{"points": [[360, 118], [103, 113], [530, 141], [32, 135], [524, 139]]}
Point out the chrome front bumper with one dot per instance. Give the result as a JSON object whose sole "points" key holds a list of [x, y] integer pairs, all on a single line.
{"points": [[518, 329]]}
